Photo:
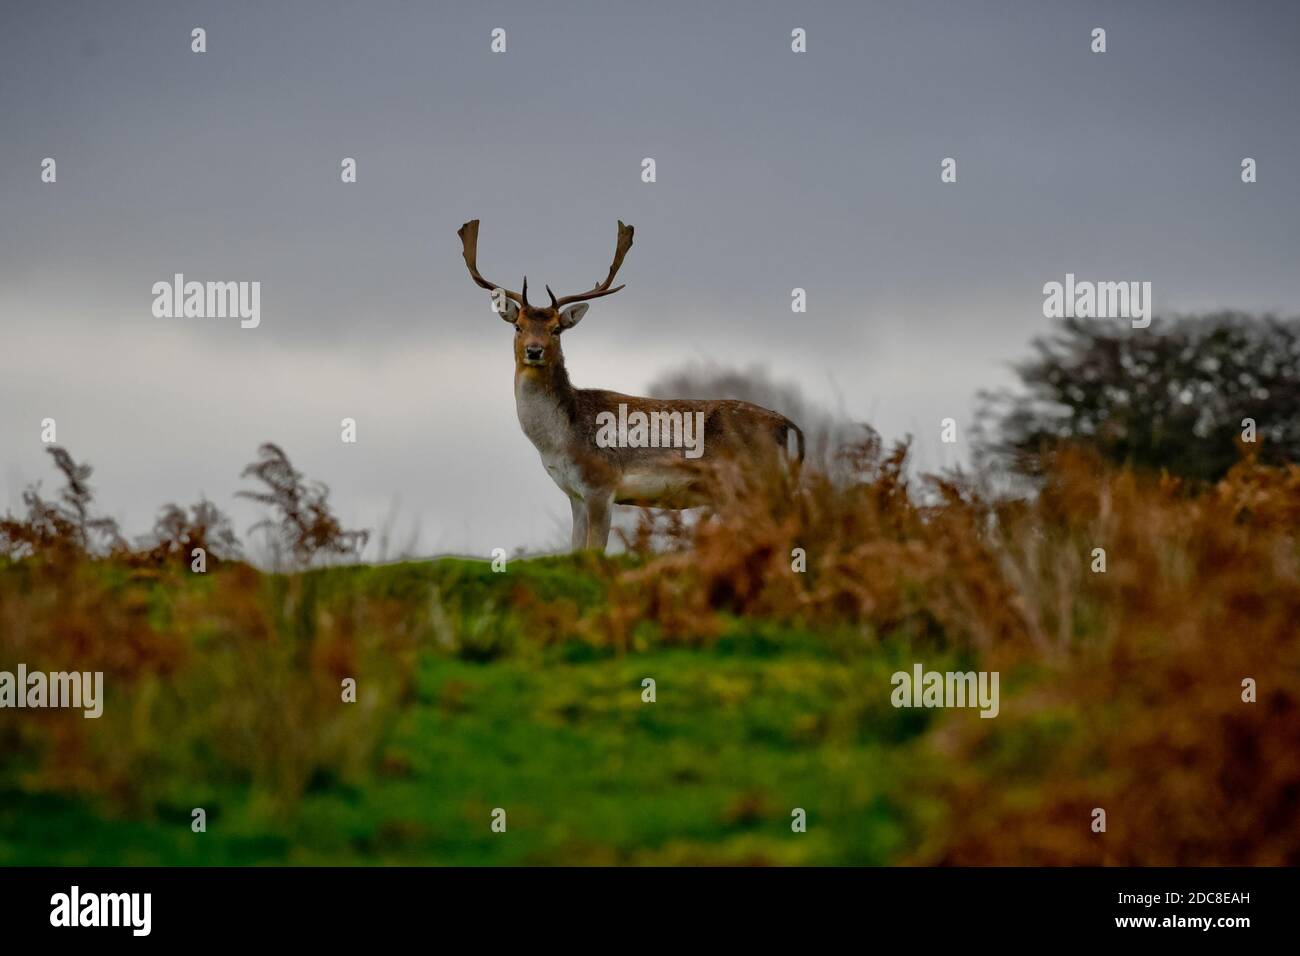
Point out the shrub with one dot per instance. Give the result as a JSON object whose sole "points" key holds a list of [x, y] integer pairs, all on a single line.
{"points": [[303, 524], [176, 534]]}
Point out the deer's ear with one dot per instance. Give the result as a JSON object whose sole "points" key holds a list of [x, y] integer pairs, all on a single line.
{"points": [[509, 310], [573, 315]]}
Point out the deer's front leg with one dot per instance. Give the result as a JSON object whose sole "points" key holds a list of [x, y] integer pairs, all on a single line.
{"points": [[600, 508], [578, 540]]}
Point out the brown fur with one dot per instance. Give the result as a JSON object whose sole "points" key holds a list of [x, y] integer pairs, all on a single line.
{"points": [[561, 421]]}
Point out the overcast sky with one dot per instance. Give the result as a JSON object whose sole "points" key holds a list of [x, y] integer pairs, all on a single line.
{"points": [[775, 170]]}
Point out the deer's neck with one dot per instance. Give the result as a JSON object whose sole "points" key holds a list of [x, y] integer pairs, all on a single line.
{"points": [[547, 405]]}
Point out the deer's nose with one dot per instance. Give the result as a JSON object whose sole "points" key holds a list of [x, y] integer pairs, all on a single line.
{"points": [[533, 352]]}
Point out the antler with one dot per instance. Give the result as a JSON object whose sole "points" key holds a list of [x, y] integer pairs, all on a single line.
{"points": [[469, 241], [624, 244]]}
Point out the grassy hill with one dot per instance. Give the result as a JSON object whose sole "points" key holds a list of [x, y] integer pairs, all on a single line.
{"points": [[464, 719], [1123, 688]]}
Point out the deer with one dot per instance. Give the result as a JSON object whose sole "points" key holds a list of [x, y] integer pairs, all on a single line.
{"points": [[582, 434]]}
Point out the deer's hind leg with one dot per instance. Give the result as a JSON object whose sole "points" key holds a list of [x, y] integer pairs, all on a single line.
{"points": [[600, 509], [578, 540]]}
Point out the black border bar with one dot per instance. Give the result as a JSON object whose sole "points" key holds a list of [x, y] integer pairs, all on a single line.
{"points": [[333, 905]]}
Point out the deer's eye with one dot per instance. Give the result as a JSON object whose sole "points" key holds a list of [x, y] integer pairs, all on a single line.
{"points": [[518, 330]]}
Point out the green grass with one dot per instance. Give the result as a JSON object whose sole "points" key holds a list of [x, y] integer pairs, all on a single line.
{"points": [[742, 732]]}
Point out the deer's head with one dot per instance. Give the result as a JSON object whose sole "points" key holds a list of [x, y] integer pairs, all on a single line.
{"points": [[538, 327]]}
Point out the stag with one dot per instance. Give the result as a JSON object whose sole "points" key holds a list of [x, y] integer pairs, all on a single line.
{"points": [[583, 434]]}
